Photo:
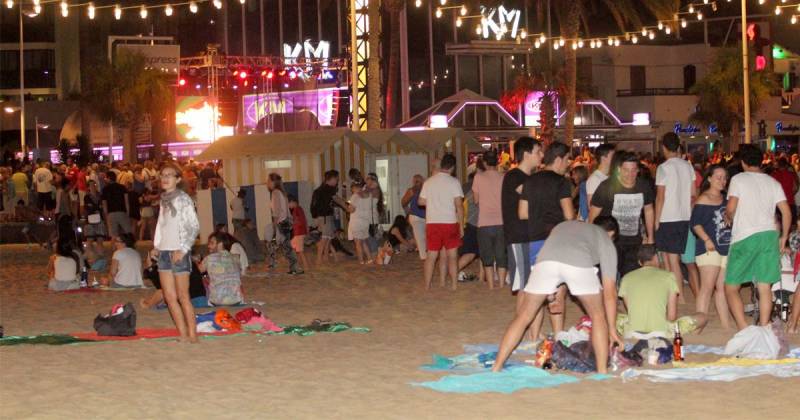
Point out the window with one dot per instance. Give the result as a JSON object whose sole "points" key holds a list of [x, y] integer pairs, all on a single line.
{"points": [[689, 76], [638, 80], [277, 164]]}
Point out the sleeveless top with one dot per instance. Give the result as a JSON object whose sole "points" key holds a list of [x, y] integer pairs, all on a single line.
{"points": [[414, 207]]}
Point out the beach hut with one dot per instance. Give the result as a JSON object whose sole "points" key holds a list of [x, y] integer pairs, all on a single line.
{"points": [[300, 158], [438, 141]]}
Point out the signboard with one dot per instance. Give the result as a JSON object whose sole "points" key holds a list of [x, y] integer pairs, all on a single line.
{"points": [[309, 52], [533, 105], [320, 102], [160, 57], [497, 22], [194, 120]]}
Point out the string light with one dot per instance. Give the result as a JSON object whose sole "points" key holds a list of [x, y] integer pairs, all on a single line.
{"points": [[574, 45], [644, 31], [218, 4], [459, 22], [683, 23], [542, 39], [667, 30], [777, 10], [699, 15], [242, 1], [580, 43], [561, 42], [37, 8], [634, 39], [463, 10], [555, 45], [651, 35], [418, 3], [537, 44], [523, 34], [691, 8], [616, 42], [117, 12], [478, 30], [143, 12], [610, 41], [168, 10], [64, 9], [193, 7], [10, 4], [442, 2], [438, 12], [90, 11], [793, 20], [660, 25]]}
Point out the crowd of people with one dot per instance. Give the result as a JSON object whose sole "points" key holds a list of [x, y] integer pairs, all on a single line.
{"points": [[543, 223]]}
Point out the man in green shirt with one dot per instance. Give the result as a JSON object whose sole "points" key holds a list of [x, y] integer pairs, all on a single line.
{"points": [[651, 297]]}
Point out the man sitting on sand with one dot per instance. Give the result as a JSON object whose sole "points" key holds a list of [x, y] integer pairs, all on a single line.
{"points": [[651, 296], [569, 255]]}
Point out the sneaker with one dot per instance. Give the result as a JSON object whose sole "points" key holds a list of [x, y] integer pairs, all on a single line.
{"points": [[462, 276], [296, 272]]}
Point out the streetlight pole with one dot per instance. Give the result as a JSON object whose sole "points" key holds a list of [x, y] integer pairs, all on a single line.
{"points": [[746, 75], [21, 87]]}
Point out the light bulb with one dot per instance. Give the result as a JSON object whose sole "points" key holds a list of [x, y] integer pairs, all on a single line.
{"points": [[660, 25], [699, 15], [651, 35], [591, 44], [761, 1], [523, 34], [463, 10], [580, 43], [555, 45], [542, 38], [442, 2], [667, 30], [691, 8], [418, 3], [143, 12], [683, 23], [561, 42], [777, 10], [438, 12], [634, 39], [218, 4], [64, 9], [644, 31], [242, 1], [706, 1], [616, 42], [459, 21], [37, 9], [537, 44], [193, 7], [574, 45], [168, 10], [117, 12], [610, 40], [478, 29], [90, 11], [10, 4], [793, 20], [503, 28]]}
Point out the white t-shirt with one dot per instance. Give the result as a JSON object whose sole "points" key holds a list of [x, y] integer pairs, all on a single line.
{"points": [[594, 181], [65, 269], [677, 177], [280, 206], [129, 268], [758, 195], [42, 178], [167, 237], [439, 191]]}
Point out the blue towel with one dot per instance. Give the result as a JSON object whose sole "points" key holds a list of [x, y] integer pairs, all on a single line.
{"points": [[507, 381]]}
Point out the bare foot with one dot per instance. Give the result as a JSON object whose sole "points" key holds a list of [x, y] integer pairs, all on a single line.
{"points": [[143, 304], [193, 340]]}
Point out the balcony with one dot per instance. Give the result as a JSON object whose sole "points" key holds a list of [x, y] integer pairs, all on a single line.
{"points": [[653, 92]]}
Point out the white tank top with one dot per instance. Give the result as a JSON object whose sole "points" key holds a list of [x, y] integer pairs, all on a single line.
{"points": [[65, 269]]}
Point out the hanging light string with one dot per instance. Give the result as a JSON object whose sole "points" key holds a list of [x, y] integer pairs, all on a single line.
{"points": [[779, 11], [143, 9]]}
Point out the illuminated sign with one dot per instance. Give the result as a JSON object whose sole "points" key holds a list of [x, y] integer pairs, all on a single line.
{"points": [[160, 57], [779, 127], [689, 129], [438, 121], [533, 106], [309, 52], [499, 21], [194, 120], [320, 102], [641, 118]]}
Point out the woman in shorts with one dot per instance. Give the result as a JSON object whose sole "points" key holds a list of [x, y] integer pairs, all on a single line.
{"points": [[713, 240], [176, 231]]}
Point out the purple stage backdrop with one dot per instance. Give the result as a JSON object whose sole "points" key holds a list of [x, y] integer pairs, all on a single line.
{"points": [[319, 101]]}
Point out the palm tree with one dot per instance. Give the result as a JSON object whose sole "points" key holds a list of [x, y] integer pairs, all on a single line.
{"points": [[720, 93], [126, 91]]}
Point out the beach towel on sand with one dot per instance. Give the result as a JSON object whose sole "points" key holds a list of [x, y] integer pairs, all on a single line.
{"points": [[507, 381]]}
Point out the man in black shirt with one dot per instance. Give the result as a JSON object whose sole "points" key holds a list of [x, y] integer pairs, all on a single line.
{"points": [[115, 206], [528, 154], [624, 196], [545, 202], [322, 201]]}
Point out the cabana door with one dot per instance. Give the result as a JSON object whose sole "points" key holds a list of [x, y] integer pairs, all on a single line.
{"points": [[394, 175]]}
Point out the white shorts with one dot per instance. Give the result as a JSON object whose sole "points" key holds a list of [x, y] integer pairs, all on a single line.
{"points": [[546, 276]]}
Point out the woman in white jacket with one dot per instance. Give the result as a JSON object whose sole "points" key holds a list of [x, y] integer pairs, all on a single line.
{"points": [[176, 231]]}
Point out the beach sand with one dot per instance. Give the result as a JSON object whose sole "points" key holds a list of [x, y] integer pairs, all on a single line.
{"points": [[342, 375]]}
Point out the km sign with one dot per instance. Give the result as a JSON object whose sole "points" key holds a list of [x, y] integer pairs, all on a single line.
{"points": [[309, 52]]}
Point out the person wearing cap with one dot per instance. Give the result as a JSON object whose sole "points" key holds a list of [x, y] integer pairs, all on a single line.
{"points": [[486, 190], [675, 192]]}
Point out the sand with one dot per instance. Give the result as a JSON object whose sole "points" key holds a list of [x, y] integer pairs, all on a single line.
{"points": [[343, 375]]}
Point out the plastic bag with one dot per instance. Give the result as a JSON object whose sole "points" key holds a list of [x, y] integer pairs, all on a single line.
{"points": [[754, 342]]}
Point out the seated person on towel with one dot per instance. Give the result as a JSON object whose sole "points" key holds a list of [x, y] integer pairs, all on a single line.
{"points": [[126, 264], [64, 266], [651, 297], [196, 287], [223, 269]]}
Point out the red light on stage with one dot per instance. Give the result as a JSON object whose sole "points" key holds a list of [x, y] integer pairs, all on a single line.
{"points": [[292, 74], [181, 82], [761, 62], [270, 75], [245, 83], [243, 75], [263, 73]]}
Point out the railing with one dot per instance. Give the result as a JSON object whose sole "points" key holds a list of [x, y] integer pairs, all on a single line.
{"points": [[653, 92]]}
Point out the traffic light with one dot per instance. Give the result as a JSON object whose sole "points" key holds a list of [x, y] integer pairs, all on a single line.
{"points": [[758, 44]]}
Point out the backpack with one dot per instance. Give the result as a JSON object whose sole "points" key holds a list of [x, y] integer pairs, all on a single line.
{"points": [[121, 321]]}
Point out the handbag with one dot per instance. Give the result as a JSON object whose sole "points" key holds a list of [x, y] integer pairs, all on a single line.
{"points": [[120, 323]]}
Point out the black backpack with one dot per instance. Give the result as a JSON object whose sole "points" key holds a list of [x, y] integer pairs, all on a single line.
{"points": [[122, 325]]}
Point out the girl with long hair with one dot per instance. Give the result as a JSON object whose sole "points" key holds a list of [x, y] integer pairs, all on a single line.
{"points": [[713, 240], [176, 231]]}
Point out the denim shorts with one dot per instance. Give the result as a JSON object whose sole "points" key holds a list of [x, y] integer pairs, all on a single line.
{"points": [[184, 266]]}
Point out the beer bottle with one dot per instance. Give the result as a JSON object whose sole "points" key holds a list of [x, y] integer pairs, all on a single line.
{"points": [[677, 345]]}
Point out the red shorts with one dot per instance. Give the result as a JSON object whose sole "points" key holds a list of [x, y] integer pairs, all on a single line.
{"points": [[442, 235]]}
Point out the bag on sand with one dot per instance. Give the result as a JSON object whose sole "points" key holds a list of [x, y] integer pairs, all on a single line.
{"points": [[121, 321], [754, 342]]}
